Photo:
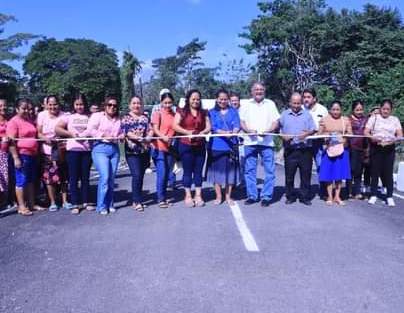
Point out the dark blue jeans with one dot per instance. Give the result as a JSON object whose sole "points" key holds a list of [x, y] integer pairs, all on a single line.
{"points": [[79, 164], [193, 159], [137, 165]]}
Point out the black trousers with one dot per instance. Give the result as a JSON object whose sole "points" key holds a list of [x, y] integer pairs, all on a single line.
{"points": [[381, 165], [357, 170], [301, 159]]}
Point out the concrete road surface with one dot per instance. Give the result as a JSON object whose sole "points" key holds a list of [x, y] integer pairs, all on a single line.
{"points": [[211, 259]]}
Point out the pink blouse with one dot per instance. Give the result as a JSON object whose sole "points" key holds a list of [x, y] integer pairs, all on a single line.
{"points": [[3, 136], [77, 124], [48, 123], [100, 125]]}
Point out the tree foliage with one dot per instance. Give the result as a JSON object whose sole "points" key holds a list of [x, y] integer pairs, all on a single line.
{"points": [[176, 72], [129, 69], [9, 77], [70, 66], [305, 43]]}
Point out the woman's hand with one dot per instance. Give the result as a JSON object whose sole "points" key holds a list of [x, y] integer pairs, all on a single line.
{"points": [[17, 162], [165, 139]]}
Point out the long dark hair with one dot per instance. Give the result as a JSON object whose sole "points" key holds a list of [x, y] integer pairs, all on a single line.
{"points": [[52, 96], [356, 103], [108, 98], [217, 94], [188, 95], [167, 95], [389, 102], [82, 97]]}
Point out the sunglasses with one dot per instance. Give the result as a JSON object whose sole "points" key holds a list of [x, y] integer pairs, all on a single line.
{"points": [[113, 105]]}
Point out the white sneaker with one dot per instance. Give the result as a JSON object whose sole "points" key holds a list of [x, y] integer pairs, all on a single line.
{"points": [[372, 200], [148, 170], [390, 202], [112, 210]]}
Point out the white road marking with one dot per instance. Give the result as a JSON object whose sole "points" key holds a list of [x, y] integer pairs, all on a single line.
{"points": [[246, 235], [398, 196]]}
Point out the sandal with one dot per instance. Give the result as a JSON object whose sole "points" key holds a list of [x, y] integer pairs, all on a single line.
{"points": [[199, 202], [217, 202], [230, 202], [163, 205], [189, 202], [38, 208], [75, 211], [25, 212], [89, 207], [329, 202], [339, 202], [138, 207]]}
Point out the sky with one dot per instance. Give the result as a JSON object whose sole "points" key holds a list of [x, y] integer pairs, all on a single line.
{"points": [[149, 28]]}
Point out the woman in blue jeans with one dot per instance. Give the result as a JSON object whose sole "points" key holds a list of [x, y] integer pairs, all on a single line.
{"points": [[78, 154], [192, 120], [135, 126], [162, 121], [106, 127]]}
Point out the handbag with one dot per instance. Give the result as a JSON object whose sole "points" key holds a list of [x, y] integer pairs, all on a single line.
{"points": [[335, 148]]}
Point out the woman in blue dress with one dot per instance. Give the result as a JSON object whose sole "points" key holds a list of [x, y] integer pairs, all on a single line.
{"points": [[335, 166], [222, 171]]}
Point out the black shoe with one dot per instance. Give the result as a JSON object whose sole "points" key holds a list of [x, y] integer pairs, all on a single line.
{"points": [[265, 203], [250, 201], [290, 201], [305, 202]]}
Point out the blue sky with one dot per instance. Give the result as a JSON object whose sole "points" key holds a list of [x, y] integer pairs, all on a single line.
{"points": [[152, 28]]}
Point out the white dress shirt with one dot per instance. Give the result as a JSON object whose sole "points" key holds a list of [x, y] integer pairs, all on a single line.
{"points": [[259, 117]]}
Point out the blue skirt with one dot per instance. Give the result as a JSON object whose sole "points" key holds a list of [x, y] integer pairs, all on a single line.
{"points": [[222, 169], [335, 169]]}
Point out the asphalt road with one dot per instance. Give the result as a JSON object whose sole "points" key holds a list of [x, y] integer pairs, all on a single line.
{"points": [[211, 259]]}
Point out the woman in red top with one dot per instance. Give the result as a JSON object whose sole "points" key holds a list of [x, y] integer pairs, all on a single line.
{"points": [[162, 121], [358, 148], [192, 120], [3, 153], [24, 150]]}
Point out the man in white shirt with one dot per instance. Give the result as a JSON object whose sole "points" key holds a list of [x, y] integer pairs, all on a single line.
{"points": [[258, 117], [318, 112]]}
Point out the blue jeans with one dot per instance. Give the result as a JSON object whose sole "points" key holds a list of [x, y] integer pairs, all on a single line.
{"points": [[317, 153], [163, 161], [79, 164], [172, 178], [268, 160], [137, 165], [193, 159], [106, 159]]}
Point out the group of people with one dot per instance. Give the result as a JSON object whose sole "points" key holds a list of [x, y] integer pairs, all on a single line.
{"points": [[58, 149]]}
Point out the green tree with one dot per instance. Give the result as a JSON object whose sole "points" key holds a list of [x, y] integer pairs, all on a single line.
{"points": [[70, 66], [236, 75], [9, 77], [286, 40], [176, 72], [129, 69], [304, 43], [205, 80]]}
